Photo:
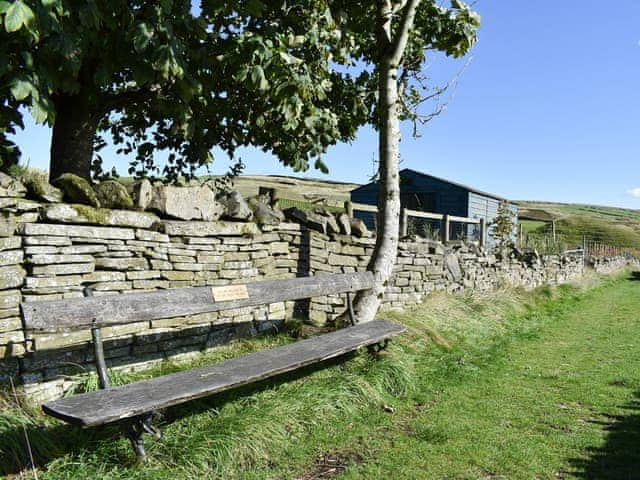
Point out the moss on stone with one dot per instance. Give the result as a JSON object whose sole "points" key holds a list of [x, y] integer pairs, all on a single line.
{"points": [[34, 186], [39, 189], [97, 216], [77, 190], [112, 194]]}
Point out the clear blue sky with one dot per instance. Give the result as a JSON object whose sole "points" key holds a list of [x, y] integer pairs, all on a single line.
{"points": [[548, 109]]}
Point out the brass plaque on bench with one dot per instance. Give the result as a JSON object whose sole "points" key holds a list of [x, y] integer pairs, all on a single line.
{"points": [[230, 292]]}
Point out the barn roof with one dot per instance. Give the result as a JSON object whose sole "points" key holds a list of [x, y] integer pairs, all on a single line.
{"points": [[466, 187]]}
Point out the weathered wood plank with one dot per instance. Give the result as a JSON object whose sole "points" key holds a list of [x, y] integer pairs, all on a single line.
{"points": [[429, 215], [76, 313], [453, 218], [105, 406], [364, 207]]}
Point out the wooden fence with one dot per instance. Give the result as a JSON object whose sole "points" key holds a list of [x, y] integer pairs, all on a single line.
{"points": [[309, 200], [556, 243], [445, 221]]}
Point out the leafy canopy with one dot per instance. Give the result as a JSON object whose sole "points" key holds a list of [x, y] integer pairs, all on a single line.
{"points": [[291, 78]]}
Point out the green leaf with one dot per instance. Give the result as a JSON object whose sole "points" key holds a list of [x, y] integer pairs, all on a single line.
{"points": [[289, 59], [241, 76], [162, 60], [21, 89], [142, 37], [320, 165], [38, 113], [258, 78], [310, 121], [4, 6], [42, 111], [28, 59], [16, 16]]}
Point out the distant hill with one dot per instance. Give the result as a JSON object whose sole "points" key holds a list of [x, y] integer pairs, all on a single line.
{"points": [[610, 225], [248, 185]]}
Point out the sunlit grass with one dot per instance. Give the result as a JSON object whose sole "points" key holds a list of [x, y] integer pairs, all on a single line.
{"points": [[418, 400]]}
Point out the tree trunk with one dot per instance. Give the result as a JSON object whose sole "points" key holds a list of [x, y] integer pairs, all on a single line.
{"points": [[391, 48], [384, 254], [72, 137]]}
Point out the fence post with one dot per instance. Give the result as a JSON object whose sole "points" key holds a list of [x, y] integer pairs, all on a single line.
{"points": [[483, 232], [520, 235], [348, 207], [404, 222], [445, 230]]}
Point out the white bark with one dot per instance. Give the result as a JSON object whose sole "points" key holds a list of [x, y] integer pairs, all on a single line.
{"points": [[391, 48]]}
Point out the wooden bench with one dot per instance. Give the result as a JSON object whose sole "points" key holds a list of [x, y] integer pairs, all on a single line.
{"points": [[136, 402]]}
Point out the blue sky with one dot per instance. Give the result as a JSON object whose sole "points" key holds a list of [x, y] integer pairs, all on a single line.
{"points": [[547, 109]]}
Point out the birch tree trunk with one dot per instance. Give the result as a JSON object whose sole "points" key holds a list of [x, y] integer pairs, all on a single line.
{"points": [[391, 45]]}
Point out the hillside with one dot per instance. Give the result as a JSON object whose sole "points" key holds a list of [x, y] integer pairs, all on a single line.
{"points": [[310, 188], [610, 225]]}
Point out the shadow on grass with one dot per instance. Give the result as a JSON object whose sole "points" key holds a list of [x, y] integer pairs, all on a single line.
{"points": [[51, 441], [635, 276], [619, 457]]}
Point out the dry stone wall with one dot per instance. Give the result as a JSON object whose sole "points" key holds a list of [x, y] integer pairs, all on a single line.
{"points": [[611, 264], [49, 252], [423, 267]]}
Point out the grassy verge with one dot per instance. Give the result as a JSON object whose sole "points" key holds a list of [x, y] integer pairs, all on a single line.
{"points": [[503, 385]]}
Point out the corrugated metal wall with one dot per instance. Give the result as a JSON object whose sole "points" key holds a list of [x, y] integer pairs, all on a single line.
{"points": [[447, 199]]}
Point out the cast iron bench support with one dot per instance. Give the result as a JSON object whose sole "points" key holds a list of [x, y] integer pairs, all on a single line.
{"points": [[139, 425], [135, 403]]}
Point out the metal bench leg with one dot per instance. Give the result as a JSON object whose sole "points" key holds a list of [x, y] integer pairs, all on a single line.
{"points": [[378, 347], [135, 433]]}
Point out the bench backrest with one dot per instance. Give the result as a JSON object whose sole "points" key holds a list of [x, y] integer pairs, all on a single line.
{"points": [[101, 311]]}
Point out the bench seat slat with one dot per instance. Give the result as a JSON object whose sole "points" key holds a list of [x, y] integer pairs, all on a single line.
{"points": [[105, 406], [76, 313]]}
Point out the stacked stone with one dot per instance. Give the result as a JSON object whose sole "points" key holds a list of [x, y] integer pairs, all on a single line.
{"points": [[334, 254], [61, 257], [426, 266], [14, 212], [610, 264]]}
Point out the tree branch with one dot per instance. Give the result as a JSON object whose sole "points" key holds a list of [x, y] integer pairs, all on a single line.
{"points": [[399, 43]]}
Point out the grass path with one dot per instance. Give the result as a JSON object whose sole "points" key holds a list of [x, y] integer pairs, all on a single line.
{"points": [[561, 403]]}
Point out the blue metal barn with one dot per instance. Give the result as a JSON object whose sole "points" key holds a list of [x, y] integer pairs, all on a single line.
{"points": [[424, 192]]}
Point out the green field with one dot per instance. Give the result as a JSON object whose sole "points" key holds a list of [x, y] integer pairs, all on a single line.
{"points": [[608, 225], [509, 385]]}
